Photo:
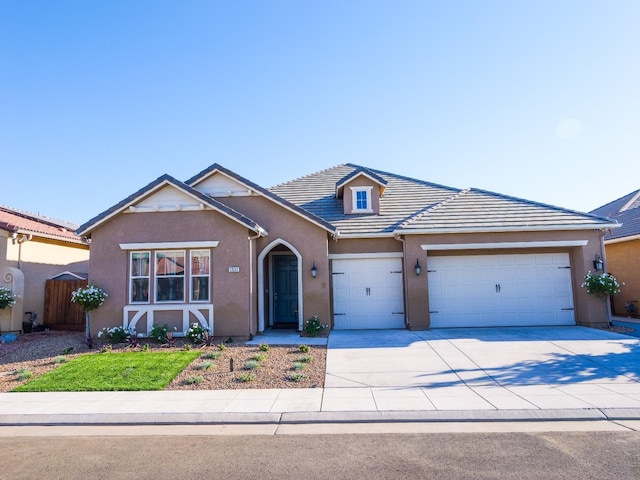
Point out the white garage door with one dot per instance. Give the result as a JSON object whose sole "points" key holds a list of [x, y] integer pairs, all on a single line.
{"points": [[500, 290], [367, 293]]}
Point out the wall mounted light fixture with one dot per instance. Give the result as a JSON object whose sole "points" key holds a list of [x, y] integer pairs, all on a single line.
{"points": [[314, 270], [598, 264], [418, 268]]}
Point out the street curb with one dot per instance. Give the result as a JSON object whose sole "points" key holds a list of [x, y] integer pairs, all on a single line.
{"points": [[293, 418]]}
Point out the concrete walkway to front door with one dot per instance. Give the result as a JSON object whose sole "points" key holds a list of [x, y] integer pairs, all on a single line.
{"points": [[525, 368]]}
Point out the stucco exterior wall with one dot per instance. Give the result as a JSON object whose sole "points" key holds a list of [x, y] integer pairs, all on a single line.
{"points": [[310, 240], [40, 259], [230, 292], [588, 309], [623, 262], [347, 195]]}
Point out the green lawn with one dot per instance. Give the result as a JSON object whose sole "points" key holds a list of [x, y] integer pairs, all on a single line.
{"points": [[113, 371]]}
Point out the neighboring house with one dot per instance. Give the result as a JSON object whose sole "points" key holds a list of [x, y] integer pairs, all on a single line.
{"points": [[622, 248], [358, 247], [34, 248]]}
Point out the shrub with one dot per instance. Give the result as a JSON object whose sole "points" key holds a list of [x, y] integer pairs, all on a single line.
{"points": [[25, 374], [212, 355], [296, 377], [60, 359], [222, 347], [194, 380], [7, 299], [158, 333], [246, 377], [106, 349], [116, 334], [259, 357], [206, 365], [263, 347], [313, 326], [186, 347], [305, 359], [251, 365], [146, 347], [299, 366], [195, 333], [67, 350], [304, 348]]}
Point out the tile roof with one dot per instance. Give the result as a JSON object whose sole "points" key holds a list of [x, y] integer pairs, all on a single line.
{"points": [[626, 210], [410, 206], [164, 180], [19, 221]]}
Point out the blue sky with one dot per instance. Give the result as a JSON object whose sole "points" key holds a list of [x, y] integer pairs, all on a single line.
{"points": [[534, 99]]}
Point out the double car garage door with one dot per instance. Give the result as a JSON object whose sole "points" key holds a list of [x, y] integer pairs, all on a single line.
{"points": [[464, 291]]}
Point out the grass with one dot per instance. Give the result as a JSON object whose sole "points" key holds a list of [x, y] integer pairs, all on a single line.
{"points": [[113, 372]]}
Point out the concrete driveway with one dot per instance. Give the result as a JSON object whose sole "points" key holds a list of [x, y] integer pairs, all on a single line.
{"points": [[482, 369]]}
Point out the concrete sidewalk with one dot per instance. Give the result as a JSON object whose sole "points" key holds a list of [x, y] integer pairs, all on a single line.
{"points": [[562, 373]]}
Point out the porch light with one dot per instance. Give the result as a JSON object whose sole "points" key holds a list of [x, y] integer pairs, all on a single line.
{"points": [[418, 268], [314, 270], [598, 264]]}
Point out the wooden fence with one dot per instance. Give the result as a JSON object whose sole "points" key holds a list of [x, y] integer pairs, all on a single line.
{"points": [[59, 312]]}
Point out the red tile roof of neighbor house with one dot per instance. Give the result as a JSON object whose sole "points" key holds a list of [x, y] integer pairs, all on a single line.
{"points": [[626, 210], [21, 222]]}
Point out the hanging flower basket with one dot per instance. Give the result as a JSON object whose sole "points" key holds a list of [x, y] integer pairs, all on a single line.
{"points": [[89, 298]]}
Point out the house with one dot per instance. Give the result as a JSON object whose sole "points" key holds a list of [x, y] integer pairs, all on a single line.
{"points": [[34, 248], [358, 247], [622, 248]]}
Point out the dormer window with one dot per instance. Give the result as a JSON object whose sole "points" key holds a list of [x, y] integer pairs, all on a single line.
{"points": [[361, 197]]}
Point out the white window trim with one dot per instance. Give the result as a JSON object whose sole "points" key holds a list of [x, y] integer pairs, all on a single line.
{"points": [[156, 277], [192, 276], [354, 201], [169, 245], [131, 278]]}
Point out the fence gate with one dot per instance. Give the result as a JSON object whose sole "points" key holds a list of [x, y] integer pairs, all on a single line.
{"points": [[59, 312]]}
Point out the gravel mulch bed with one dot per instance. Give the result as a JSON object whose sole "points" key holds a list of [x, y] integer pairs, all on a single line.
{"points": [[281, 367]]}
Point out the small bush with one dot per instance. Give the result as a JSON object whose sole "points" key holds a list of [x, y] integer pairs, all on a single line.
{"points": [[296, 377], [251, 365], [305, 359], [25, 374], [263, 347], [194, 380], [229, 340], [158, 333], [299, 366], [186, 347], [259, 357], [313, 326], [106, 348], [212, 355], [146, 347], [67, 350], [222, 347], [206, 365], [195, 333], [304, 348], [116, 334], [246, 377], [60, 359]]}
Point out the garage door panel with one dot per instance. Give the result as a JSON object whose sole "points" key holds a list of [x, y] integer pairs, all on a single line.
{"points": [[510, 289], [368, 293]]}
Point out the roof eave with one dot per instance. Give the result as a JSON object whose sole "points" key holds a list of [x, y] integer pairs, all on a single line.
{"points": [[622, 239], [524, 228]]}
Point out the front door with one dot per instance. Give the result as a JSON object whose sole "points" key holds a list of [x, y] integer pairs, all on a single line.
{"points": [[285, 291]]}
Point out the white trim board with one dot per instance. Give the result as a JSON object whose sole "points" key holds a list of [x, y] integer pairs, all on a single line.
{"points": [[492, 245], [168, 245], [341, 256]]}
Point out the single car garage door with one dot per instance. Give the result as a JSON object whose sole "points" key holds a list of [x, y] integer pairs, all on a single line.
{"points": [[367, 293], [500, 290]]}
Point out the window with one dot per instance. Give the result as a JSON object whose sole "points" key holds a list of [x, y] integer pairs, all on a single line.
{"points": [[361, 199], [200, 272], [139, 275], [169, 269]]}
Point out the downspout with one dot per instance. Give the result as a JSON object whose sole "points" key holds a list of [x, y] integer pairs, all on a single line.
{"points": [[405, 288], [251, 242]]}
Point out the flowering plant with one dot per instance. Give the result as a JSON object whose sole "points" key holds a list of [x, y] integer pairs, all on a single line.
{"points": [[89, 298], [601, 285], [195, 333], [116, 334], [313, 326], [7, 299]]}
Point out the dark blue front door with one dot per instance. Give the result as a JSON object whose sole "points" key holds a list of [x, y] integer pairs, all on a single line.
{"points": [[285, 290]]}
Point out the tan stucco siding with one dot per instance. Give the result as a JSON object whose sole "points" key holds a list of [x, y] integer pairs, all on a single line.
{"points": [[361, 181], [230, 291], [623, 261], [588, 309], [310, 240], [40, 259], [365, 245]]}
